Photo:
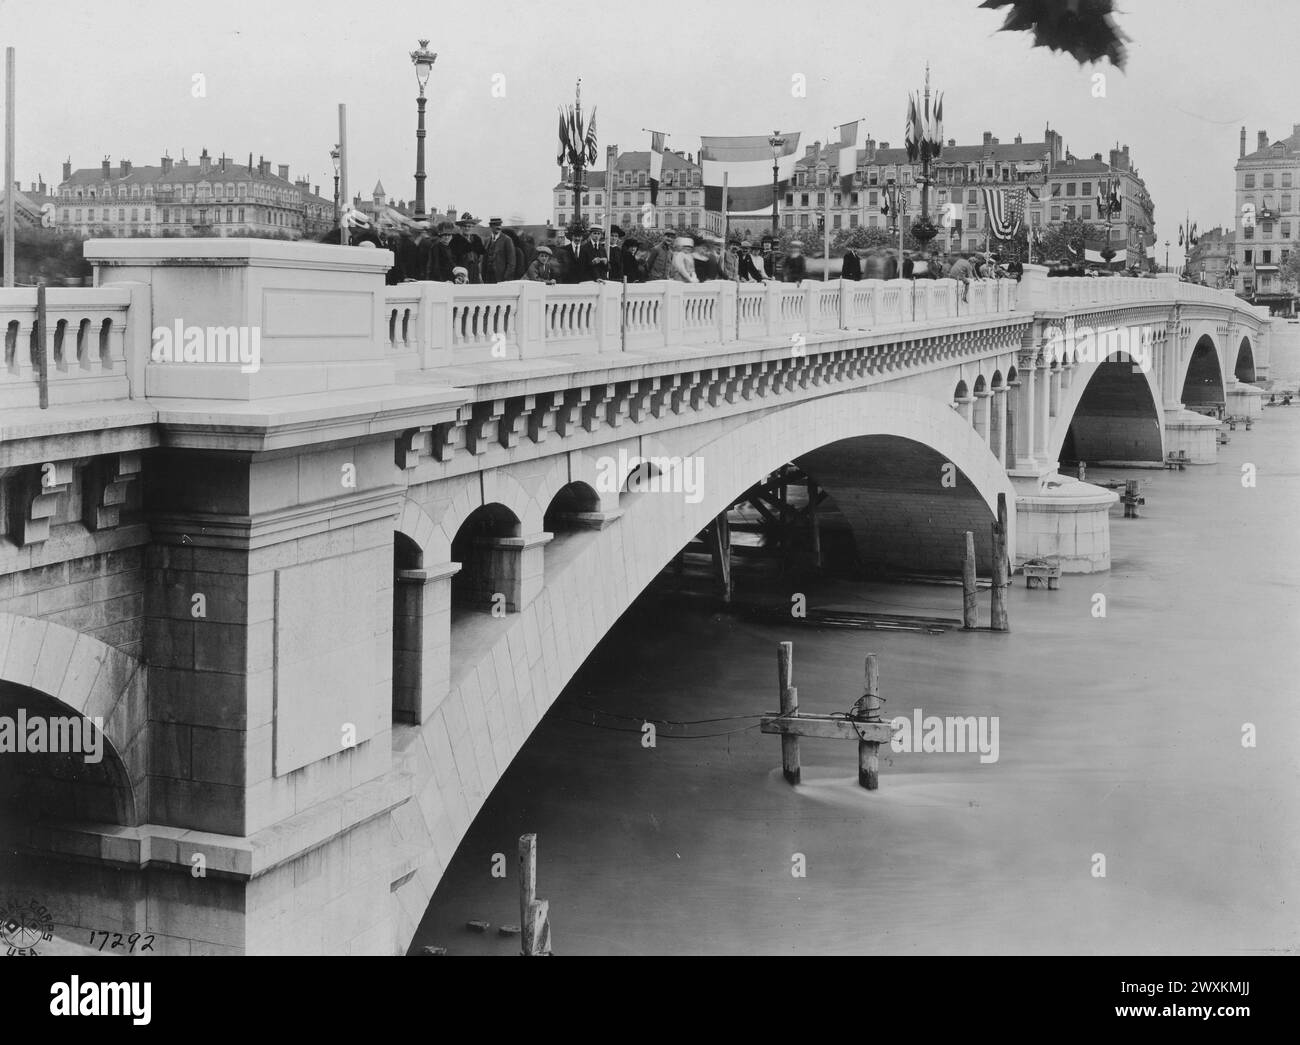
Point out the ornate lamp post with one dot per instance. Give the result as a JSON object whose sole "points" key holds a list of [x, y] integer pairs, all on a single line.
{"points": [[423, 60], [334, 156], [778, 143]]}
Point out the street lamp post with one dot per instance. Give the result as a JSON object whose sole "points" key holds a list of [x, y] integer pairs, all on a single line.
{"points": [[1166, 255], [334, 156], [778, 143], [423, 60]]}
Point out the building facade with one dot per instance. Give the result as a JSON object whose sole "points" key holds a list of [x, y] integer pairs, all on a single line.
{"points": [[212, 197], [1209, 259], [1267, 217], [680, 203], [1061, 188]]}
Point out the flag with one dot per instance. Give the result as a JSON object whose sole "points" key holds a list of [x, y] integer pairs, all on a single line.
{"points": [[563, 152], [937, 133], [848, 159], [1180, 235], [912, 132], [1005, 209], [746, 161], [657, 139], [589, 141]]}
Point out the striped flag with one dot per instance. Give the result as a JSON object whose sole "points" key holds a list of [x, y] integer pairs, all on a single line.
{"points": [[746, 161], [657, 139], [848, 159], [1006, 208]]}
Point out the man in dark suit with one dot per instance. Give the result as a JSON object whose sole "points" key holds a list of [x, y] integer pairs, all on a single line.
{"points": [[852, 268], [498, 256], [629, 266], [592, 248], [466, 247], [796, 266], [564, 258]]}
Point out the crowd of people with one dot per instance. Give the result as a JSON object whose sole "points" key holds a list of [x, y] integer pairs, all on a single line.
{"points": [[458, 253]]}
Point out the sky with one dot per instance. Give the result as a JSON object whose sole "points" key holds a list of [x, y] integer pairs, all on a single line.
{"points": [[118, 78]]}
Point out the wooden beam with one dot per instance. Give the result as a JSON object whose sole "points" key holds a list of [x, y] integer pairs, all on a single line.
{"points": [[998, 616], [823, 727], [869, 750], [969, 614], [527, 876]]}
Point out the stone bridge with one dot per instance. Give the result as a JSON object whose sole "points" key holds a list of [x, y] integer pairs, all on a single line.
{"points": [[318, 594]]}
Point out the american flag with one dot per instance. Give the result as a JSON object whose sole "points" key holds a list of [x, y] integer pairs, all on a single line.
{"points": [[1006, 209]]}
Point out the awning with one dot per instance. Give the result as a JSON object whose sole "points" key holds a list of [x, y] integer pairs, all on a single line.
{"points": [[1265, 268]]}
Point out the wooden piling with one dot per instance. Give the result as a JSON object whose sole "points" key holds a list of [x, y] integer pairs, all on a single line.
{"points": [[789, 706], [720, 548], [813, 494], [1001, 578], [969, 614], [869, 751], [527, 878]]}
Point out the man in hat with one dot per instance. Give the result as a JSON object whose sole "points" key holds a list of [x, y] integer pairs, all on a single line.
{"points": [[706, 265], [593, 247], [616, 253], [796, 266], [440, 262], [466, 247], [852, 267], [749, 265], [683, 263], [659, 265], [412, 251], [498, 255], [771, 259], [542, 269]]}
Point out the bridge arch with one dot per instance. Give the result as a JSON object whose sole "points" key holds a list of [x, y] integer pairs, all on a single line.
{"points": [[1111, 412], [53, 670], [1203, 383], [1244, 368]]}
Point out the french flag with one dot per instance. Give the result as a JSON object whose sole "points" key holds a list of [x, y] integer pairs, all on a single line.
{"points": [[746, 163]]}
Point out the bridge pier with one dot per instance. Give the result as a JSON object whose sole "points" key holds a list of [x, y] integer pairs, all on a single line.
{"points": [[1186, 430]]}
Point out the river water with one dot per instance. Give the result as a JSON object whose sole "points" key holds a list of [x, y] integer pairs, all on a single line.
{"points": [[1119, 736]]}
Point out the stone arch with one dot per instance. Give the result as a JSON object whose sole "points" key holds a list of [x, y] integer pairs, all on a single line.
{"points": [[961, 392], [95, 680], [1244, 368], [996, 381], [1111, 411], [495, 487], [980, 385], [1202, 382]]}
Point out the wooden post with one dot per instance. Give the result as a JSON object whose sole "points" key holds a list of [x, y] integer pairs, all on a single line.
{"points": [[720, 547], [869, 751], [527, 879], [789, 706], [344, 199], [969, 615], [998, 610], [813, 494]]}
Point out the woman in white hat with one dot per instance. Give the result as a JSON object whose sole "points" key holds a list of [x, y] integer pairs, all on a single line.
{"points": [[683, 268]]}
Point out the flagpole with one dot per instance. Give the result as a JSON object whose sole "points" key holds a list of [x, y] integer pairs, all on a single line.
{"points": [[577, 152], [725, 204], [826, 236]]}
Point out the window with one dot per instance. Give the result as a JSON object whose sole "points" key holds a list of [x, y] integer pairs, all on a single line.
{"points": [[1249, 233], [1268, 181], [853, 199], [1249, 181], [627, 218], [135, 213], [681, 199], [853, 221], [988, 173], [972, 219], [1087, 189], [586, 198], [627, 199], [1087, 212], [1071, 188], [839, 200], [641, 179], [230, 214], [121, 214], [872, 178], [1250, 257], [803, 199], [1286, 179], [835, 221], [1268, 257], [872, 221], [1006, 174], [600, 199], [1056, 213], [640, 199], [1285, 254], [1286, 230], [148, 214], [1056, 188], [65, 215], [789, 221], [873, 199], [803, 221], [972, 196], [821, 199], [1069, 212]]}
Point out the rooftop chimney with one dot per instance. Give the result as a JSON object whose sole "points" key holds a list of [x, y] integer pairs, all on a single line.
{"points": [[125, 167], [166, 164], [205, 161], [1243, 143], [107, 168], [1019, 140], [1097, 156], [884, 145], [952, 143], [284, 171], [1262, 140], [67, 169], [988, 137]]}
